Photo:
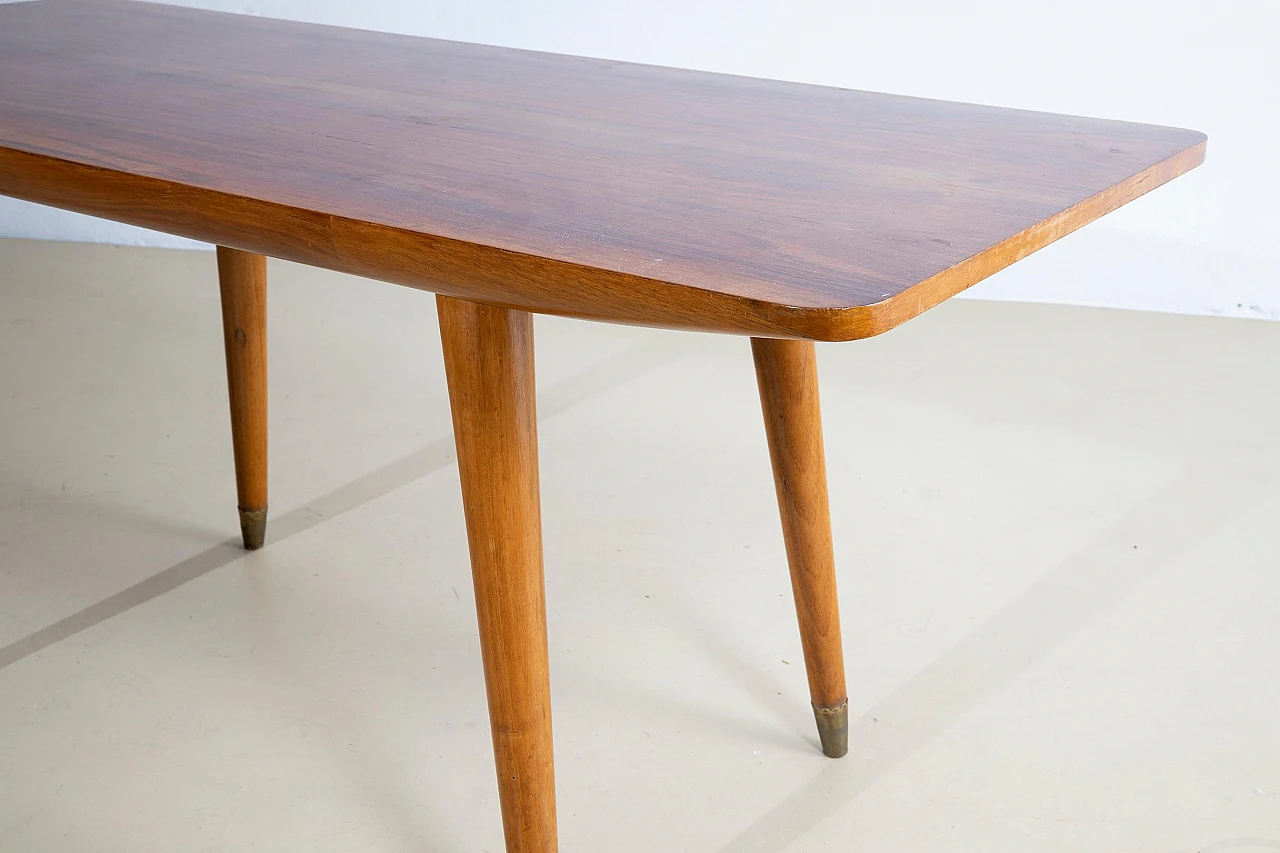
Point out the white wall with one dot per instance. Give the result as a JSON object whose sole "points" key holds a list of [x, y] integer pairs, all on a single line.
{"points": [[1205, 244]]}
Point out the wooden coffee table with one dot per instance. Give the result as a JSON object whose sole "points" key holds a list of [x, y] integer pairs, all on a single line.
{"points": [[510, 183]]}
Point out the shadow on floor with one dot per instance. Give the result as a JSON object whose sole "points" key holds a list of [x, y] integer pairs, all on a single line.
{"points": [[598, 378], [1174, 521]]}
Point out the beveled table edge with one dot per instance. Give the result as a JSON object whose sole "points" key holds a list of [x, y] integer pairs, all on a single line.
{"points": [[511, 279]]}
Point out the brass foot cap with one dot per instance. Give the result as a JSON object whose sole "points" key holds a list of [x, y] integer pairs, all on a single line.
{"points": [[833, 729], [253, 527]]}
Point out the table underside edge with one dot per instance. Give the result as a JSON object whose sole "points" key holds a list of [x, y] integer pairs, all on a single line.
{"points": [[513, 279]]}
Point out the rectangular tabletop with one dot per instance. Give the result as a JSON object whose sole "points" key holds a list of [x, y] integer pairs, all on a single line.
{"points": [[550, 183]]}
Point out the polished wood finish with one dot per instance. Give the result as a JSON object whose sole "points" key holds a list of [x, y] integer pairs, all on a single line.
{"points": [[511, 182], [242, 279], [548, 183], [787, 375], [488, 355]]}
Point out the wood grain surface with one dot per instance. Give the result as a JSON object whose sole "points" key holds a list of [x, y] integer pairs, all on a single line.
{"points": [[787, 376], [242, 284], [488, 359], [549, 183]]}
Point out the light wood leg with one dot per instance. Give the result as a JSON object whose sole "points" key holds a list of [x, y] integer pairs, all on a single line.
{"points": [[242, 277], [488, 356], [788, 377]]}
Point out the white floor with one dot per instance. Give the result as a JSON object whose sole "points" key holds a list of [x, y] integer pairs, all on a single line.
{"points": [[1057, 533]]}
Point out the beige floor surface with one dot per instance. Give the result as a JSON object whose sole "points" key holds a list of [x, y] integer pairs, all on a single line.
{"points": [[1057, 531]]}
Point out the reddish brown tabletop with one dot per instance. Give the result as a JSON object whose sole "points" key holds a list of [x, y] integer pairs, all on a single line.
{"points": [[551, 183]]}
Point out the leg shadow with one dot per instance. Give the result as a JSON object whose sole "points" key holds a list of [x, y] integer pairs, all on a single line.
{"points": [[1173, 522], [577, 388]]}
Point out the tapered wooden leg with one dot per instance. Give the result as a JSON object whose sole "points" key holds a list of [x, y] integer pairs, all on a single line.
{"points": [[242, 277], [788, 377], [488, 357]]}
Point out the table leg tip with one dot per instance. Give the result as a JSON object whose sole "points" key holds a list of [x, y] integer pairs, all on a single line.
{"points": [[253, 527], [833, 729]]}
